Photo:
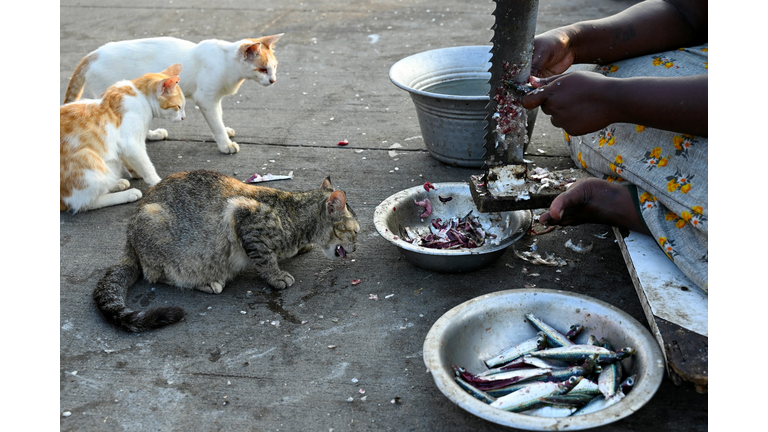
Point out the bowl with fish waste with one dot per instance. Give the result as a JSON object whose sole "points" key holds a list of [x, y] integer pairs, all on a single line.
{"points": [[438, 227], [465, 340]]}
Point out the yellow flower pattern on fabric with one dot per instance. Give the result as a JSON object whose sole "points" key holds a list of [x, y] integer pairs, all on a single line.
{"points": [[647, 201], [664, 61], [618, 166], [668, 246], [653, 159], [606, 137], [582, 161], [639, 128], [683, 144], [679, 182], [672, 217], [608, 69], [612, 179], [695, 217]]}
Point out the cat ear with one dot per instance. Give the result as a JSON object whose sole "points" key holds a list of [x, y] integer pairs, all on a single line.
{"points": [[173, 70], [250, 49], [167, 86], [337, 203], [270, 40], [327, 184]]}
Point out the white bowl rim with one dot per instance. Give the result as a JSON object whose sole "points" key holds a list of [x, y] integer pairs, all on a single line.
{"points": [[641, 393], [379, 223]]}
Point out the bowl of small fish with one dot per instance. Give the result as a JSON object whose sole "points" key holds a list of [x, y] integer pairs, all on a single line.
{"points": [[438, 227], [543, 360]]}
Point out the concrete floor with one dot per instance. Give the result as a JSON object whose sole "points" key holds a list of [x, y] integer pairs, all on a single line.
{"points": [[226, 367]]}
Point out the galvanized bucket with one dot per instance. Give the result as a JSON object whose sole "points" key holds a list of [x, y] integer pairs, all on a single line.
{"points": [[449, 87]]}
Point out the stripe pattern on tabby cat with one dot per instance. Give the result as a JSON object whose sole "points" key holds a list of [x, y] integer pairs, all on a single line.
{"points": [[99, 137], [212, 69], [199, 229]]}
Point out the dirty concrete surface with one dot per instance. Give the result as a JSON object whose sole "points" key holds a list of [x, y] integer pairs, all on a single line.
{"points": [[228, 365]]}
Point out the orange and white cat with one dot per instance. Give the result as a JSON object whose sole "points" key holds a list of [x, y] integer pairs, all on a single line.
{"points": [[101, 136], [212, 69]]}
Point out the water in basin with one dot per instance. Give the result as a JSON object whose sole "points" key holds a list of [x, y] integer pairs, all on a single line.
{"points": [[460, 87]]}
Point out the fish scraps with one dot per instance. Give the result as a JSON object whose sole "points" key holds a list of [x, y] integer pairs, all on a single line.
{"points": [[535, 258], [256, 178], [427, 204], [579, 248], [455, 233]]}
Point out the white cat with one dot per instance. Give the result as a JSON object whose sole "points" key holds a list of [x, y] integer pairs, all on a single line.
{"points": [[101, 136], [212, 69]]}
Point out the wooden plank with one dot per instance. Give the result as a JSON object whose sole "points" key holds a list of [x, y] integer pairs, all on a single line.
{"points": [[677, 310]]}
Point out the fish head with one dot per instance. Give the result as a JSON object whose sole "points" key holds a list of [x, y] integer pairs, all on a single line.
{"points": [[626, 352]]}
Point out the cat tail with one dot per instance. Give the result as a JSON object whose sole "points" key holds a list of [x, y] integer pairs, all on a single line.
{"points": [[77, 82], [111, 291]]}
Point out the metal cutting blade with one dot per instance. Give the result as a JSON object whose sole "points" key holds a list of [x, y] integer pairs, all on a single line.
{"points": [[506, 185]]}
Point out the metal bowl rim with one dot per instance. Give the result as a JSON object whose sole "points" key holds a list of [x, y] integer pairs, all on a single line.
{"points": [[400, 62], [631, 403]]}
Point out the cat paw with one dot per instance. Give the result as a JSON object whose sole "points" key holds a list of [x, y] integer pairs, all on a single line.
{"points": [[122, 185], [283, 281], [133, 195], [157, 135], [305, 249], [214, 287], [229, 148], [230, 132]]}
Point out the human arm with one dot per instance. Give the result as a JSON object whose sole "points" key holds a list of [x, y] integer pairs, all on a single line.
{"points": [[645, 28], [584, 102]]}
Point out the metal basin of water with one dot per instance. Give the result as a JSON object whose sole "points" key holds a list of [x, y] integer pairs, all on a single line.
{"points": [[449, 87], [399, 211], [481, 327]]}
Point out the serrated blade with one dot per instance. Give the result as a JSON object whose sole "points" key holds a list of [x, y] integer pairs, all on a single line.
{"points": [[511, 54]]}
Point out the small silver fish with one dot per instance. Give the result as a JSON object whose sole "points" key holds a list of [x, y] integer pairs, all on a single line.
{"points": [[585, 386], [580, 352], [474, 391], [535, 343], [556, 339], [569, 399], [609, 380], [551, 411], [599, 403], [528, 397]]}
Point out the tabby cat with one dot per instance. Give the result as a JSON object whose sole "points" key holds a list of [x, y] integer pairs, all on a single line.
{"points": [[212, 69], [98, 137], [199, 229]]}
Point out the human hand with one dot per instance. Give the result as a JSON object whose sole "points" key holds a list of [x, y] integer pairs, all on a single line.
{"points": [[578, 102], [551, 54]]}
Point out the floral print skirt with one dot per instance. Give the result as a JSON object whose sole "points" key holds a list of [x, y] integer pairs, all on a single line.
{"points": [[667, 170]]}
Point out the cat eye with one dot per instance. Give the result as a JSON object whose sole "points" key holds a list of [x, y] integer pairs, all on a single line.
{"points": [[262, 70]]}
